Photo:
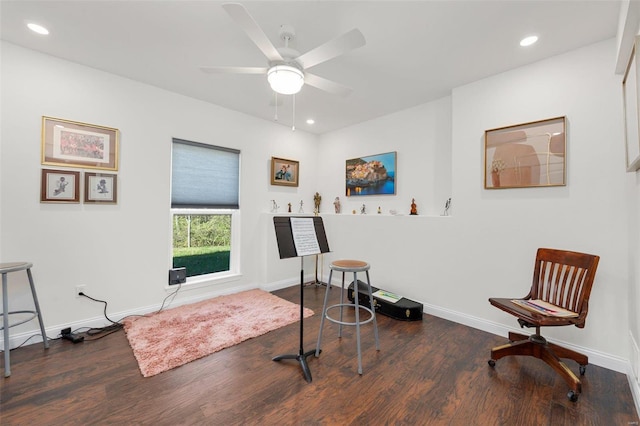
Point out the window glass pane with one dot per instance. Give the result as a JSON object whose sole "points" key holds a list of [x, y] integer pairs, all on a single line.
{"points": [[204, 176], [202, 243]]}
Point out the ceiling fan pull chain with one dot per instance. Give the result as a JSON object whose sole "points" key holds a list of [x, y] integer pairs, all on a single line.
{"points": [[276, 117], [293, 126]]}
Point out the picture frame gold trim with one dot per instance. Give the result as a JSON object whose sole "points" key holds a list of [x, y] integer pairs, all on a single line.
{"points": [[100, 188], [630, 97], [526, 155], [69, 143], [284, 172], [60, 186]]}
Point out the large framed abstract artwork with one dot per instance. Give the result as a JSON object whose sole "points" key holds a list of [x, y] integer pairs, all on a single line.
{"points": [[630, 99], [526, 155], [371, 175]]}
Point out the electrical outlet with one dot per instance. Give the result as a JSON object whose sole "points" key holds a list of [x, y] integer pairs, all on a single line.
{"points": [[80, 289]]}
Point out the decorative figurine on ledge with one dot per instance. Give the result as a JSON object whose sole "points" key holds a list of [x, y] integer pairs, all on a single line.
{"points": [[301, 210], [274, 206], [336, 205], [316, 202], [363, 209], [289, 207], [447, 205], [379, 210], [414, 209]]}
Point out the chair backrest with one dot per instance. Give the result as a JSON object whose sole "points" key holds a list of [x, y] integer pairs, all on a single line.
{"points": [[565, 278]]}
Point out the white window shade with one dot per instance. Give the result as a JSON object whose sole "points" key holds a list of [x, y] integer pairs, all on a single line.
{"points": [[204, 176]]}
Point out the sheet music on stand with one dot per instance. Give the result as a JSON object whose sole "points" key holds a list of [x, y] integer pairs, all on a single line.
{"points": [[304, 236]]}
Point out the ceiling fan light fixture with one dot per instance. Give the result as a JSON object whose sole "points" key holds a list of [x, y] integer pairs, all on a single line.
{"points": [[285, 79]]}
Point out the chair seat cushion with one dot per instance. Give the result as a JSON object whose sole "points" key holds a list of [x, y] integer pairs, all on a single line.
{"points": [[531, 317]]}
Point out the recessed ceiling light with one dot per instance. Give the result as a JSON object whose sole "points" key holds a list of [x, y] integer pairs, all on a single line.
{"points": [[37, 28], [311, 121], [528, 41]]}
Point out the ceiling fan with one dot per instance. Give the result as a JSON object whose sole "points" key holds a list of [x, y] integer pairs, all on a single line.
{"points": [[287, 68]]}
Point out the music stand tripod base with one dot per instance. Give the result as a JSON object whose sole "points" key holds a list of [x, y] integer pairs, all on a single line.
{"points": [[302, 358]]}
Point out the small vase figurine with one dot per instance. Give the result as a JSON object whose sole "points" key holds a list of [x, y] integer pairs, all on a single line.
{"points": [[336, 205], [289, 207], [301, 210], [414, 209]]}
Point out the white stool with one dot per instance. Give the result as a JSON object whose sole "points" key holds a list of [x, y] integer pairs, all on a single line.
{"points": [[354, 266], [5, 268]]}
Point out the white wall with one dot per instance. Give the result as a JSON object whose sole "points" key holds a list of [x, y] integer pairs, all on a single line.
{"points": [[122, 252], [488, 246], [452, 264]]}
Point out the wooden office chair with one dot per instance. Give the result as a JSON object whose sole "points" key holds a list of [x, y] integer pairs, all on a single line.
{"points": [[563, 279]]}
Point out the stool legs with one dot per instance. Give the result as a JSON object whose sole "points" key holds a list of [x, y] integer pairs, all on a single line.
{"points": [[324, 306], [341, 306], [38, 311], [5, 319], [373, 309], [5, 324]]}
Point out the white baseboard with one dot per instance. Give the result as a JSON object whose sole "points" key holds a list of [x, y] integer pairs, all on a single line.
{"points": [[595, 357]]}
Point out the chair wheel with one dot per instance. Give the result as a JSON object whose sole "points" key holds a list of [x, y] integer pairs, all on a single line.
{"points": [[492, 363], [573, 397], [583, 368]]}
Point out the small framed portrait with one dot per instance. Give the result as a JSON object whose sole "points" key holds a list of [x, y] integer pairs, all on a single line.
{"points": [[100, 188], [284, 172], [60, 186]]}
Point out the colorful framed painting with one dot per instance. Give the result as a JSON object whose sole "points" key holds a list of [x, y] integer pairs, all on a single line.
{"points": [[60, 186], [74, 144], [100, 188], [526, 155], [371, 175], [284, 172]]}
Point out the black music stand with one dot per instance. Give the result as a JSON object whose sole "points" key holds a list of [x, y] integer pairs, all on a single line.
{"points": [[287, 249]]}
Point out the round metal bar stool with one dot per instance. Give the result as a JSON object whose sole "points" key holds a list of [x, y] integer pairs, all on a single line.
{"points": [[353, 266], [6, 268]]}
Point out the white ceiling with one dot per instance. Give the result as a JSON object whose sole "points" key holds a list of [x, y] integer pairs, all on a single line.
{"points": [[415, 52]]}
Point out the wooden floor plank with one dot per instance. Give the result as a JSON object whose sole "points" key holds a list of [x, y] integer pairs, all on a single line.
{"points": [[431, 372]]}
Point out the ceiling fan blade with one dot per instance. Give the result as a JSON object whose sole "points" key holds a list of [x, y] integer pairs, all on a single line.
{"points": [[234, 70], [326, 85], [241, 16], [336, 47]]}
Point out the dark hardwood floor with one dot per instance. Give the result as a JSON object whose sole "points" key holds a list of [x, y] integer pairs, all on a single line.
{"points": [[432, 372]]}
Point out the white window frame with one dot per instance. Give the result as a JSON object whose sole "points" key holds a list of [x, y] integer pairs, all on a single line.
{"points": [[221, 277]]}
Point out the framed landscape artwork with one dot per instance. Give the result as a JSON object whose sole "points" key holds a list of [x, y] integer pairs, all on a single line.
{"points": [[60, 186], [284, 172], [526, 155], [74, 144], [371, 175]]}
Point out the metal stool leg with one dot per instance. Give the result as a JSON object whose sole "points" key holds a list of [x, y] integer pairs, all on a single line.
{"points": [[5, 324], [35, 301], [355, 299], [375, 323], [341, 306], [324, 310]]}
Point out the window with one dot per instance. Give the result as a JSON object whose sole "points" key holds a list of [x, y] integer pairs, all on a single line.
{"points": [[204, 208]]}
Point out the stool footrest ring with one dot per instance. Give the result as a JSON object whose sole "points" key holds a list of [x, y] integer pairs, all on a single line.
{"points": [[33, 315], [348, 305]]}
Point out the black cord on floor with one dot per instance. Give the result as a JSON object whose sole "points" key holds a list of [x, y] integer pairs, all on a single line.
{"points": [[117, 325]]}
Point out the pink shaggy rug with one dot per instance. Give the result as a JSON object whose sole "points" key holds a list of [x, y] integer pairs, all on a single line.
{"points": [[174, 337]]}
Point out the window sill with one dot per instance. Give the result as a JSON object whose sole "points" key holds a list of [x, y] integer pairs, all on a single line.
{"points": [[205, 281]]}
